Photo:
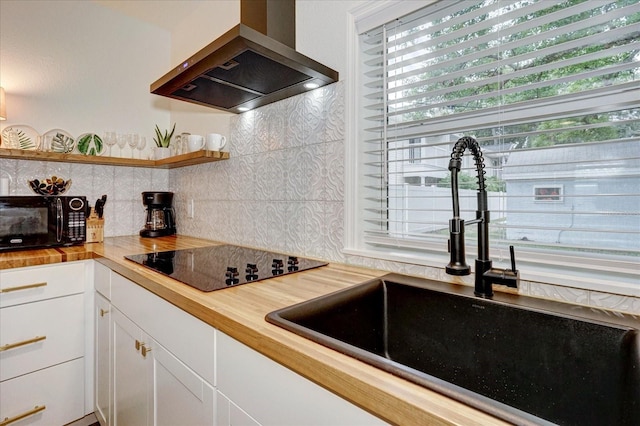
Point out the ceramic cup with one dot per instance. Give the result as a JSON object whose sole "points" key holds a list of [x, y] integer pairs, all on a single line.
{"points": [[215, 141], [195, 143]]}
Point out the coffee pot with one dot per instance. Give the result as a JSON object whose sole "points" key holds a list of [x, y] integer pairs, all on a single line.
{"points": [[160, 217]]}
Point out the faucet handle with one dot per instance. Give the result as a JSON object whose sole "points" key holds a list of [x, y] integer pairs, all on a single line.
{"points": [[513, 258]]}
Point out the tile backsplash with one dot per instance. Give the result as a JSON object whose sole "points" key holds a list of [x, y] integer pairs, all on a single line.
{"points": [[283, 185]]}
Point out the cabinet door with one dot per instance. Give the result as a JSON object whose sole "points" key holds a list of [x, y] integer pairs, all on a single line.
{"points": [[131, 382], [103, 360], [181, 397]]}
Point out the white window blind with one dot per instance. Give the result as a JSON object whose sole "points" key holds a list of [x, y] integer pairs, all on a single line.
{"points": [[551, 91]]}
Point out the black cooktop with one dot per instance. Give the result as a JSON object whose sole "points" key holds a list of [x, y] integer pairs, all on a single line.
{"points": [[217, 267]]}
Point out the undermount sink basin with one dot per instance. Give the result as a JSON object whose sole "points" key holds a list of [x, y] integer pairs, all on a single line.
{"points": [[525, 360]]}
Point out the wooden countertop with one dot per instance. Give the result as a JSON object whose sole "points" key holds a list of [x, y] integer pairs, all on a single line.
{"points": [[239, 312]]}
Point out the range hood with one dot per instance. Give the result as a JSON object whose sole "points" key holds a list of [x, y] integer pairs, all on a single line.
{"points": [[253, 64]]}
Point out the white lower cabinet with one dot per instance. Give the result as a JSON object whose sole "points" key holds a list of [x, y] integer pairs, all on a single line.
{"points": [[44, 336], [180, 396], [103, 359], [168, 368], [142, 382], [51, 397], [261, 391]]}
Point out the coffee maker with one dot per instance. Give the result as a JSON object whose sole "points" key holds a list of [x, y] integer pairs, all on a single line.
{"points": [[160, 214]]}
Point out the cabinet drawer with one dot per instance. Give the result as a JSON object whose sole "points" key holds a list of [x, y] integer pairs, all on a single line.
{"points": [[24, 285], [60, 321], [58, 389]]}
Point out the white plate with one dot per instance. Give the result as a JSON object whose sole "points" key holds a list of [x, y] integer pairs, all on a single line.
{"points": [[58, 140], [20, 137], [89, 144]]}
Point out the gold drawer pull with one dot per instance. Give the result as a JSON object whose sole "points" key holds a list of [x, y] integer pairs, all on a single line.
{"points": [[22, 287], [145, 350], [18, 344], [138, 344], [103, 312], [31, 412]]}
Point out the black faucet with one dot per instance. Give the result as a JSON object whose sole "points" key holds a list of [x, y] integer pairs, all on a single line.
{"points": [[486, 275]]}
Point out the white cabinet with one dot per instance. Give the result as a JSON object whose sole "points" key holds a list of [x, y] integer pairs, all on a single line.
{"points": [[43, 340], [103, 395], [261, 391], [166, 363], [159, 358], [180, 396], [131, 385]]}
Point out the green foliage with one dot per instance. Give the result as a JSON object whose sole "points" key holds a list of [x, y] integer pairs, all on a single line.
{"points": [[164, 140]]}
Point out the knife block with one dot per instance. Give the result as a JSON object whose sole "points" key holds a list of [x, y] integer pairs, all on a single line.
{"points": [[95, 228]]}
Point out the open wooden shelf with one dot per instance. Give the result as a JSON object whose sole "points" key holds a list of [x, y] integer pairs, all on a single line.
{"points": [[189, 159]]}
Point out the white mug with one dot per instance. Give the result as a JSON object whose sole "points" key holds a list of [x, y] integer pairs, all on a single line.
{"points": [[195, 143], [215, 141]]}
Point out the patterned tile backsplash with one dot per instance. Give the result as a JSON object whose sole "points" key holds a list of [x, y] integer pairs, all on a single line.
{"points": [[281, 189], [283, 185]]}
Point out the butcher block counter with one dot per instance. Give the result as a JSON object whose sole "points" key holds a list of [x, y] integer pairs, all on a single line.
{"points": [[239, 312]]}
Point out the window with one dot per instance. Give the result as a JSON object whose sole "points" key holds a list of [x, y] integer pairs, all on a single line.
{"points": [[547, 193], [550, 90]]}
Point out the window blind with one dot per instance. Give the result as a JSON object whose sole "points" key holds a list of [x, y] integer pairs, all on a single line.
{"points": [[550, 89]]}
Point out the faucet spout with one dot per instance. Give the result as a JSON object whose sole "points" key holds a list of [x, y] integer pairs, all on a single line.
{"points": [[486, 275]]}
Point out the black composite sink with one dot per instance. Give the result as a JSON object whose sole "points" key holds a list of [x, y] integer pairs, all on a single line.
{"points": [[525, 360]]}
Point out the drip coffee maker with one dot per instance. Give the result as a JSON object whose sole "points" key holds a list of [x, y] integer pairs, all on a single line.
{"points": [[160, 217]]}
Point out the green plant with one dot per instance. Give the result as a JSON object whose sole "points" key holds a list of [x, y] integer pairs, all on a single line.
{"points": [[163, 141]]}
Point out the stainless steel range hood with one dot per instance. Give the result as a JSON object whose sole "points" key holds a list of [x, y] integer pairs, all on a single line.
{"points": [[253, 64]]}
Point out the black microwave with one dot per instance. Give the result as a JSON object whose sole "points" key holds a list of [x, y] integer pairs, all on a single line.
{"points": [[42, 221]]}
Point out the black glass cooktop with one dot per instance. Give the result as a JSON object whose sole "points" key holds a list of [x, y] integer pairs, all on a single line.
{"points": [[217, 267]]}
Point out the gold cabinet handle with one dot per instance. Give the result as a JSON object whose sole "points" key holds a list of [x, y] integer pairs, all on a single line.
{"points": [[18, 344], [145, 350], [22, 287], [31, 412], [138, 344], [103, 312]]}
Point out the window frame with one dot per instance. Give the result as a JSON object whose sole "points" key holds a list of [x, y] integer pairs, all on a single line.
{"points": [[577, 271]]}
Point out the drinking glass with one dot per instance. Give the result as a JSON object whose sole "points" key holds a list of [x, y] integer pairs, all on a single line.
{"points": [[122, 142], [132, 140], [142, 142], [110, 139]]}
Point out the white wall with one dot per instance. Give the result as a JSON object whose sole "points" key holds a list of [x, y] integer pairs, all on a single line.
{"points": [[80, 67]]}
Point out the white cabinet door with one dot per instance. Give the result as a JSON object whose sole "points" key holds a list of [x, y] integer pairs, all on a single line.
{"points": [[274, 395], [131, 390], [229, 414], [103, 360], [181, 397]]}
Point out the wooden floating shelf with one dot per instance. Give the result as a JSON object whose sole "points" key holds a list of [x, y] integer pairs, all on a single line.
{"points": [[189, 159]]}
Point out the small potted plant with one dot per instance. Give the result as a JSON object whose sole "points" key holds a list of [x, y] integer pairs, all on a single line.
{"points": [[163, 141]]}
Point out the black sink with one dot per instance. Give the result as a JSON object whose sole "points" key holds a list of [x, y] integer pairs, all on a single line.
{"points": [[525, 360]]}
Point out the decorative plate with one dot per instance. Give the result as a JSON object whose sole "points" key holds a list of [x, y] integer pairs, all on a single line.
{"points": [[90, 144], [61, 141], [20, 137], [50, 186]]}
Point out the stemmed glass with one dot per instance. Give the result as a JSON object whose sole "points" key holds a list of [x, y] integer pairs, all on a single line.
{"points": [[110, 139], [122, 142], [142, 142], [132, 140]]}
